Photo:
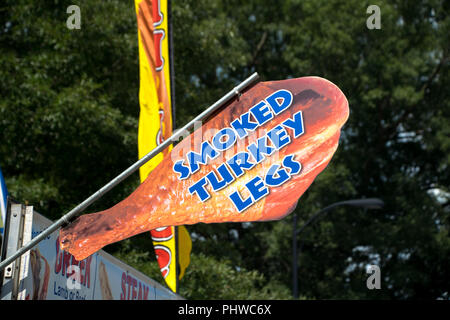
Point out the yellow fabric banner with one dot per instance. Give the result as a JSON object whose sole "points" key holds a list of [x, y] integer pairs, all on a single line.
{"points": [[155, 121]]}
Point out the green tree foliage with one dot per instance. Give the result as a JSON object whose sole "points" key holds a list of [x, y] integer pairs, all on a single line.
{"points": [[68, 123], [67, 120]]}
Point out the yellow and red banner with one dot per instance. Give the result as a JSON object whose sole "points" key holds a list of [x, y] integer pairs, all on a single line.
{"points": [[155, 120]]}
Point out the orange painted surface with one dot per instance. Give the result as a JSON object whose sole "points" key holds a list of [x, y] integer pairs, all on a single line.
{"points": [[163, 200]]}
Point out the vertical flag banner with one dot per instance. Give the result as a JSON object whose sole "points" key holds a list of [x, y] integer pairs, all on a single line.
{"points": [[155, 120], [184, 250], [3, 195]]}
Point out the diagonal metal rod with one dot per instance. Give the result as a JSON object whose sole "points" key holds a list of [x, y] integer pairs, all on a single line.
{"points": [[97, 195]]}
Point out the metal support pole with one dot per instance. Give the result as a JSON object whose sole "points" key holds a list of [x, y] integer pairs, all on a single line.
{"points": [[296, 232], [370, 203], [125, 174], [294, 257]]}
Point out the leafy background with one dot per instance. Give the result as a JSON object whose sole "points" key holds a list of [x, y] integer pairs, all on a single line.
{"points": [[68, 123]]}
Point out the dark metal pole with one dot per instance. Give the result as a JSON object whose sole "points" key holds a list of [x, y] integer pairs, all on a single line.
{"points": [[295, 232], [171, 63], [371, 203], [294, 257], [174, 138], [173, 100], [177, 255]]}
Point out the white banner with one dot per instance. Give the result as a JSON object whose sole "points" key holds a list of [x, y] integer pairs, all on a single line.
{"points": [[49, 273]]}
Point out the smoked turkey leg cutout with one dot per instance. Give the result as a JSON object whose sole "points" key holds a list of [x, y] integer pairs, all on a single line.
{"points": [[318, 107]]}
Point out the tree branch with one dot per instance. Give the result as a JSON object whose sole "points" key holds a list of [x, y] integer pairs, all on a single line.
{"points": [[258, 48]]}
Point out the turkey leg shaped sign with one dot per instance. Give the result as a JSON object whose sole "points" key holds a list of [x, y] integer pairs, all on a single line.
{"points": [[251, 162]]}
